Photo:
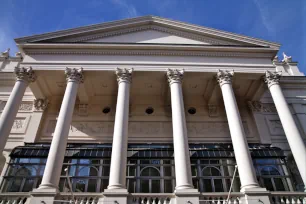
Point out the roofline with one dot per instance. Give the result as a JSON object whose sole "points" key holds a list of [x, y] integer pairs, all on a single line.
{"points": [[144, 46], [147, 20]]}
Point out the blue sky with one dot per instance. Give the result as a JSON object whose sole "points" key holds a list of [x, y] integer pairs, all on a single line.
{"points": [[282, 21]]}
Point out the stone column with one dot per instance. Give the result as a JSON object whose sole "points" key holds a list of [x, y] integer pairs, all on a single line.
{"points": [[293, 135], [117, 177], [57, 150], [24, 76], [240, 145], [180, 139], [116, 190]]}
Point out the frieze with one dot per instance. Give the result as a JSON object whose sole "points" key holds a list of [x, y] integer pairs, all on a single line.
{"points": [[27, 107], [141, 129], [257, 106]]}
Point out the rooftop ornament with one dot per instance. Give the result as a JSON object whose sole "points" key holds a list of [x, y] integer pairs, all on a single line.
{"points": [[286, 58]]}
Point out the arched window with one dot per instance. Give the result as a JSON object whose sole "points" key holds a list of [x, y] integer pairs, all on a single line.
{"points": [[212, 179], [150, 171], [272, 178], [150, 175]]}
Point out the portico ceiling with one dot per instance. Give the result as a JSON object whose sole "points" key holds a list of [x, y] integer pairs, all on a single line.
{"points": [[103, 84]]}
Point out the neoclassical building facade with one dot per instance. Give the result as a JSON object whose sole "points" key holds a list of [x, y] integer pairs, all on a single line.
{"points": [[151, 110]]}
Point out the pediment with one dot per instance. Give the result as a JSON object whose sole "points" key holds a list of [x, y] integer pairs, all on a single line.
{"points": [[147, 34], [147, 29]]}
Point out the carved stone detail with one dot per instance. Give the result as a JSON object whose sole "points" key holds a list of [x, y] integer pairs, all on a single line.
{"points": [[124, 75], [25, 74], [6, 53], [212, 110], [18, 124], [26, 106], [74, 75], [175, 75], [272, 78], [41, 104], [286, 58], [224, 77], [257, 106], [83, 109]]}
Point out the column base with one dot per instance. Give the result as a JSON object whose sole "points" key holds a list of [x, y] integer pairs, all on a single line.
{"points": [[255, 196], [189, 196], [115, 196], [42, 196]]}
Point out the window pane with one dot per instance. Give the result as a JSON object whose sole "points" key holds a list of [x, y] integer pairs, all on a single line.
{"points": [[168, 188], [194, 171], [195, 183], [207, 185], [131, 183], [144, 186], [150, 171], [105, 171], [28, 185], [215, 172], [92, 184], [167, 170], [131, 171], [155, 186], [268, 184], [80, 185], [218, 185], [167, 161], [16, 183], [279, 184], [104, 184]]}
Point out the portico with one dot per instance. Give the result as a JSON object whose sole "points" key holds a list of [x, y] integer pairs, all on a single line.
{"points": [[138, 107]]}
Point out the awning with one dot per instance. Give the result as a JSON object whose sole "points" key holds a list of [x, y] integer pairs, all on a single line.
{"points": [[146, 150]]}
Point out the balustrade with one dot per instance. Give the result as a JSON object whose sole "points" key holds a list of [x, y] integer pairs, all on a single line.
{"points": [[150, 198], [14, 198]]}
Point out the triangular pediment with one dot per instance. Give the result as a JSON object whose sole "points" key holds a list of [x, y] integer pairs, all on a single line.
{"points": [[147, 29], [148, 36]]}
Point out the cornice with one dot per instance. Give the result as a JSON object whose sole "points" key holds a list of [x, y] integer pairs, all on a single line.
{"points": [[147, 20], [152, 52], [148, 49]]}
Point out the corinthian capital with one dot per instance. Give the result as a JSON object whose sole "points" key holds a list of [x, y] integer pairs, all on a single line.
{"points": [[74, 75], [124, 75], [25, 74], [272, 78], [225, 77], [175, 75]]}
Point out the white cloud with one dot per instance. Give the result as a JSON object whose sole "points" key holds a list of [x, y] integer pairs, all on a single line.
{"points": [[264, 14], [128, 10]]}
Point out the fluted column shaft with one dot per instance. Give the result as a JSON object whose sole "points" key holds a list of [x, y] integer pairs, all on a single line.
{"points": [[180, 140], [293, 135], [57, 150], [117, 177], [243, 158], [23, 77]]}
